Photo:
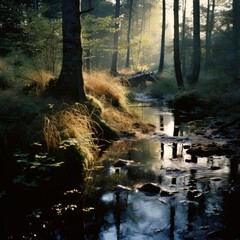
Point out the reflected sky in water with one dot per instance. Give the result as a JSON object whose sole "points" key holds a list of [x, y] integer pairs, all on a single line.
{"points": [[190, 204]]}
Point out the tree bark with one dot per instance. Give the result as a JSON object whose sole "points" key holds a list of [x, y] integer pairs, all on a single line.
{"points": [[129, 34], [177, 62], [183, 43], [86, 5], [70, 85], [113, 69], [162, 53], [236, 36], [196, 43], [209, 28]]}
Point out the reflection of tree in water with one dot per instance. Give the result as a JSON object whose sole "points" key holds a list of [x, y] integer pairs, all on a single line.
{"points": [[232, 201], [172, 217], [198, 203], [161, 123], [119, 210]]}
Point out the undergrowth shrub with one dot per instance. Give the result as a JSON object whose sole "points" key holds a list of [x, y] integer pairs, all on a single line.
{"points": [[223, 90], [165, 87], [20, 73]]}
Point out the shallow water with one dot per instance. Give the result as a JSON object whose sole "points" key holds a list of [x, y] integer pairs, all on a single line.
{"points": [[196, 200]]}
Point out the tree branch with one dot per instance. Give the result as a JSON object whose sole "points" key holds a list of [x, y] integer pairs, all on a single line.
{"points": [[85, 11]]}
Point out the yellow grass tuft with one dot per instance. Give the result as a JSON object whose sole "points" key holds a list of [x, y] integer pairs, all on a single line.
{"points": [[72, 122], [118, 120], [106, 89]]}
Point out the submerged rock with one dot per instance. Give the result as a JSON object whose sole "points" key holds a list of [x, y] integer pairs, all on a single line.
{"points": [[150, 188], [122, 163], [167, 193], [208, 148]]}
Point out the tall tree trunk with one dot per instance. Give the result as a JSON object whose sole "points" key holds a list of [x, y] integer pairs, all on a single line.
{"points": [[70, 85], [183, 42], [236, 36], [209, 28], [113, 69], [162, 53], [86, 5], [129, 34], [196, 43], [142, 27], [177, 62]]}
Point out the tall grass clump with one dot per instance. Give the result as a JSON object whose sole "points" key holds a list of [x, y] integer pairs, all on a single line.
{"points": [[75, 123], [112, 94], [107, 89]]}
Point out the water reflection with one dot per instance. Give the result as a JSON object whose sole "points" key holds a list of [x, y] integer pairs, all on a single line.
{"points": [[194, 190]]}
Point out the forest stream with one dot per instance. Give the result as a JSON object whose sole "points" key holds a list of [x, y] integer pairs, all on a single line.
{"points": [[156, 186]]}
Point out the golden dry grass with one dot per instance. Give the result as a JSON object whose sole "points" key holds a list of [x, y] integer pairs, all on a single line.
{"points": [[72, 122], [107, 89], [118, 120]]}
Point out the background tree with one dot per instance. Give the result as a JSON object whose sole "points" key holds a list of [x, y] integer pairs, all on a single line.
{"points": [[86, 5], [129, 33], [196, 43], [177, 62], [11, 16], [162, 51], [209, 29], [113, 69], [183, 39], [236, 36], [70, 85]]}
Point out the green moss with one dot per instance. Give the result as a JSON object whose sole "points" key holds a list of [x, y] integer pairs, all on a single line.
{"points": [[190, 101]]}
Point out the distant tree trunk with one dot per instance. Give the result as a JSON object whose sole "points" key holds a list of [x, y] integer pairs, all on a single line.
{"points": [[142, 23], [86, 5], [129, 33], [162, 53], [196, 43], [70, 85], [209, 28], [177, 63], [183, 45], [35, 4], [113, 69], [236, 36]]}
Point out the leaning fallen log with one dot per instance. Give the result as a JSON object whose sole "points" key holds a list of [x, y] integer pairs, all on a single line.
{"points": [[142, 79]]}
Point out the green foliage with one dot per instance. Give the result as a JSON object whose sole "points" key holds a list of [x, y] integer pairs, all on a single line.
{"points": [[44, 42], [163, 88], [224, 90], [97, 25], [21, 74], [97, 37]]}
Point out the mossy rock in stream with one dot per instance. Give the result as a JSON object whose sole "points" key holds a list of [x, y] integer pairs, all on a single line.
{"points": [[190, 101], [74, 162]]}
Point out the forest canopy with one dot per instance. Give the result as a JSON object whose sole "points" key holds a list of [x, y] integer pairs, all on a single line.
{"points": [[31, 37]]}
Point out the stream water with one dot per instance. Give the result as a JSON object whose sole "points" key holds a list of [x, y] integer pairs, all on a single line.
{"points": [[196, 200]]}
